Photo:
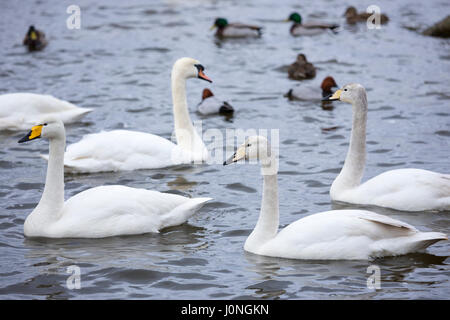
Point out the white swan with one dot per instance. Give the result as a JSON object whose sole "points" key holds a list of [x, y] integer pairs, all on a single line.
{"points": [[102, 211], [119, 150], [330, 235], [18, 111], [401, 189]]}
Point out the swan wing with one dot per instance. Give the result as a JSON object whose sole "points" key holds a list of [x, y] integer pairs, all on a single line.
{"points": [[121, 150], [119, 210], [20, 111]]}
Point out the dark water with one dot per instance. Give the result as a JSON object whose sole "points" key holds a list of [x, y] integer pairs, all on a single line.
{"points": [[119, 64]]}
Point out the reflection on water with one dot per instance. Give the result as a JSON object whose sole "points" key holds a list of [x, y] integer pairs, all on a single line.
{"points": [[119, 64]]}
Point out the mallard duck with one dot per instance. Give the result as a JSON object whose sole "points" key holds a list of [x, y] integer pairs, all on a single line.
{"points": [[210, 104], [34, 39], [440, 29], [307, 29], [235, 30], [353, 16], [301, 69], [312, 92]]}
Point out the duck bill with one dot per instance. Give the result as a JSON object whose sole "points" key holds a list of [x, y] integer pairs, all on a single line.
{"points": [[333, 97], [34, 133], [33, 35], [213, 27], [203, 76], [238, 155]]}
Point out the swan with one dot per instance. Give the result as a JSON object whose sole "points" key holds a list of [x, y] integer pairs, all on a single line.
{"points": [[101, 211], [307, 29], [210, 104], [19, 110], [312, 93], [34, 39], [329, 235], [124, 150], [301, 69], [235, 30], [352, 16], [401, 189]]}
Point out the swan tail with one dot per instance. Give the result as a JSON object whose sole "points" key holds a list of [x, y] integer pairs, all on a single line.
{"points": [[44, 156], [183, 212]]}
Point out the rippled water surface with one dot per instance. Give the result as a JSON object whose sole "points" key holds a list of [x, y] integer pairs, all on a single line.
{"points": [[119, 64]]}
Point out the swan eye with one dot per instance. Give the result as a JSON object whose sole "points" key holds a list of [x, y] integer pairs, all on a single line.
{"points": [[248, 144], [345, 89]]}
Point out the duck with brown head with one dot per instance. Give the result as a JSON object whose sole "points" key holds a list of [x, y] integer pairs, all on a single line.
{"points": [[210, 104], [309, 92]]}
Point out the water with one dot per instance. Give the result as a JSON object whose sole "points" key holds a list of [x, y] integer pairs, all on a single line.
{"points": [[119, 64]]}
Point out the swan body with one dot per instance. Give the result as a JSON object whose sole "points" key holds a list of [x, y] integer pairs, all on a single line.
{"points": [[403, 189], [330, 235], [102, 211], [312, 92], [212, 105], [235, 30], [121, 150], [18, 111], [299, 28]]}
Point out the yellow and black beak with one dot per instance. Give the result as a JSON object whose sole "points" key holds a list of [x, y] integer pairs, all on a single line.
{"points": [[213, 27], [34, 133], [334, 96], [238, 155]]}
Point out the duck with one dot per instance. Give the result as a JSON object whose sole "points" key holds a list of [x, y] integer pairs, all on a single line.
{"points": [[406, 189], [235, 30], [126, 150], [328, 235], [34, 39], [353, 17], [312, 92], [18, 110], [440, 29], [301, 69], [211, 105], [99, 212], [299, 28]]}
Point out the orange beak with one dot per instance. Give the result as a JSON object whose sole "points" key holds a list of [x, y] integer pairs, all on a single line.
{"points": [[203, 76]]}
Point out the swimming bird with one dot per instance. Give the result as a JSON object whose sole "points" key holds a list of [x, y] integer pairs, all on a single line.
{"points": [[99, 212], [312, 92], [18, 111], [301, 69], [353, 16], [299, 28], [235, 30], [211, 105], [329, 235], [123, 150], [34, 39], [401, 189]]}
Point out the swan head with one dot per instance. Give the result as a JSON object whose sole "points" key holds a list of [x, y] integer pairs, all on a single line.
{"points": [[295, 17], [254, 148], [350, 93], [189, 68], [48, 128]]}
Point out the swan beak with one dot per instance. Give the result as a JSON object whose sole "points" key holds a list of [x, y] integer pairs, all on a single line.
{"points": [[238, 155], [212, 27], [334, 96], [34, 133], [203, 76]]}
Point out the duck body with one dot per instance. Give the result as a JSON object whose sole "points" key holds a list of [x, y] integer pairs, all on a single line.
{"points": [[19, 111], [440, 29], [330, 235], [131, 150], [114, 210], [311, 29], [35, 39], [212, 105], [353, 16], [301, 69], [312, 92], [99, 212], [402, 189], [235, 30], [126, 150]]}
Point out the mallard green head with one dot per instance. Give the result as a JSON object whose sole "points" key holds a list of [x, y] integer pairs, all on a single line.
{"points": [[295, 17], [220, 23]]}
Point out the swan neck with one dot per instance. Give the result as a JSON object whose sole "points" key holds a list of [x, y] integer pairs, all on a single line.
{"points": [[53, 196], [353, 169]]}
